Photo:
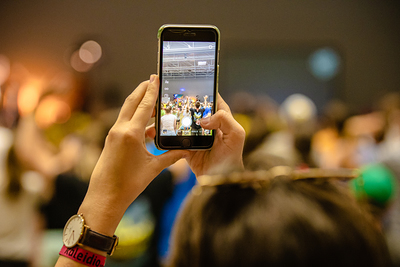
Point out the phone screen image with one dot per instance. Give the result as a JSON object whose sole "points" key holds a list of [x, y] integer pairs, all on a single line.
{"points": [[187, 87]]}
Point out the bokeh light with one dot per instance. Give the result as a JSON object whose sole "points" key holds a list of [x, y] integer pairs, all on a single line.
{"points": [[52, 110], [28, 97], [78, 64], [324, 63], [90, 52], [299, 108]]}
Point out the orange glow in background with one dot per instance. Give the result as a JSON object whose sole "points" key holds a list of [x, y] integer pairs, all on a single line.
{"points": [[28, 97], [51, 110]]}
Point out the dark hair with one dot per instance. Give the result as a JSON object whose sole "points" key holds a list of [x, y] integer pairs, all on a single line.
{"points": [[309, 222], [198, 104]]}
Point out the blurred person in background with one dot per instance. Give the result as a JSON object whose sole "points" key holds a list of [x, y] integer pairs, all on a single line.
{"points": [[378, 187], [21, 192], [26, 186], [371, 139], [183, 181], [389, 156], [168, 122], [46, 119], [186, 120], [28, 168], [330, 147], [258, 115], [292, 142], [196, 115]]}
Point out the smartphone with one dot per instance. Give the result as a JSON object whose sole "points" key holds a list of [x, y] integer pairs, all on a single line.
{"points": [[188, 70]]}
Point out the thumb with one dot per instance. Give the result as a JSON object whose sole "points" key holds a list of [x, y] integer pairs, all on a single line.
{"points": [[222, 120]]}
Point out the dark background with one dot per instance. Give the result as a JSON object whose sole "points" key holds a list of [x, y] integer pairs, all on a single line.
{"points": [[366, 34]]}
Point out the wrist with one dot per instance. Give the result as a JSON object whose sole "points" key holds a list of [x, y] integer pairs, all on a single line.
{"points": [[77, 234], [101, 216]]}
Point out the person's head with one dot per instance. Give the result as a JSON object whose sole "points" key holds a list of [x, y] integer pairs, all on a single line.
{"points": [[198, 104], [168, 110], [282, 222]]}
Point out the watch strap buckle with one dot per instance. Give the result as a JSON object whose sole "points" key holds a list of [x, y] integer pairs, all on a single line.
{"points": [[114, 246]]}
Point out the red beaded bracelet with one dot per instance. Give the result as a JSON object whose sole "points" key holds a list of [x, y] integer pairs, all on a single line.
{"points": [[83, 256]]}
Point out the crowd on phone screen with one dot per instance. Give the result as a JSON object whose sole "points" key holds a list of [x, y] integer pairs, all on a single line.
{"points": [[182, 116], [38, 164]]}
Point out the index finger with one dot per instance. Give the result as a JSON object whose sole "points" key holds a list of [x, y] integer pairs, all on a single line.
{"points": [[131, 102], [145, 108]]}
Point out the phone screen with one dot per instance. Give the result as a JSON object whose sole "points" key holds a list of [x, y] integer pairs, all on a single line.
{"points": [[188, 71], [187, 89]]}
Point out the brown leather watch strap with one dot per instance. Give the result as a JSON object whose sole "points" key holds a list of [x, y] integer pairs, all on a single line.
{"points": [[99, 241]]}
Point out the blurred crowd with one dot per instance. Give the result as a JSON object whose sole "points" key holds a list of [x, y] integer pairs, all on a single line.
{"points": [[51, 136], [52, 133], [181, 116]]}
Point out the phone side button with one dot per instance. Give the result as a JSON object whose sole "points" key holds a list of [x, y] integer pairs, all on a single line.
{"points": [[186, 143]]}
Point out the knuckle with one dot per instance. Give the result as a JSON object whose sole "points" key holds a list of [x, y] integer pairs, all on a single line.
{"points": [[221, 114], [241, 131], [148, 100], [226, 116], [130, 99], [145, 103], [124, 136]]}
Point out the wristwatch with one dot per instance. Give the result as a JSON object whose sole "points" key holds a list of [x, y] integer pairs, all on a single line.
{"points": [[76, 232]]}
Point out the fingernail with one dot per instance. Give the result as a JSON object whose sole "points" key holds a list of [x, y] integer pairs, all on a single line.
{"points": [[152, 78]]}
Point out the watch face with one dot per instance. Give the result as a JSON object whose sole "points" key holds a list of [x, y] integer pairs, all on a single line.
{"points": [[73, 230]]}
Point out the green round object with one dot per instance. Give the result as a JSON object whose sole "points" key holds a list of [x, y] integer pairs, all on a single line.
{"points": [[376, 183]]}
